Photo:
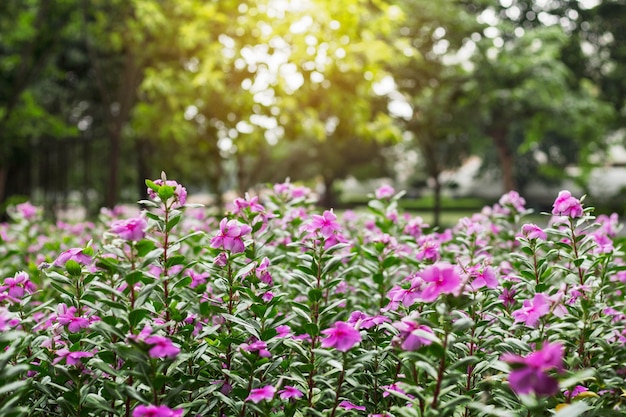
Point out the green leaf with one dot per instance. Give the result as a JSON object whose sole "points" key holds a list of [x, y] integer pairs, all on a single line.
{"points": [[136, 316], [573, 410], [73, 268]]}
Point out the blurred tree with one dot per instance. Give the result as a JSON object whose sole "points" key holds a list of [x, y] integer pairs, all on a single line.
{"points": [[429, 73], [32, 102], [537, 116], [326, 99]]}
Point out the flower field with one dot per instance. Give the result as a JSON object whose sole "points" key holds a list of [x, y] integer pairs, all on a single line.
{"points": [[278, 309]]}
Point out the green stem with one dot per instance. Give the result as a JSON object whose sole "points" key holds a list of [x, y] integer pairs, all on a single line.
{"points": [[339, 383], [440, 373]]}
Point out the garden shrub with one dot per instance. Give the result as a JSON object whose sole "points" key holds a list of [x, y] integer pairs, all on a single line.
{"points": [[278, 310]]}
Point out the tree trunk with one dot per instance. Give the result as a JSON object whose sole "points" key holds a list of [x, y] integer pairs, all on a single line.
{"points": [[328, 199], [437, 202], [3, 181], [506, 159]]}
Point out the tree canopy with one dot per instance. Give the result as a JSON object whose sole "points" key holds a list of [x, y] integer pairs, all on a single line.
{"points": [[228, 94]]}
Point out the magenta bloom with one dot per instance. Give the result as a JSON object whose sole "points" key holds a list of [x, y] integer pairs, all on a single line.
{"points": [[180, 192], [529, 373], [347, 405], [441, 278], [485, 278], [566, 205], [74, 254], [532, 310], [384, 191], [71, 358], [67, 317], [132, 230], [258, 346], [17, 286], [259, 394], [326, 224], [161, 347], [156, 411], [342, 337], [27, 210], [230, 236], [290, 392], [412, 335], [532, 231]]}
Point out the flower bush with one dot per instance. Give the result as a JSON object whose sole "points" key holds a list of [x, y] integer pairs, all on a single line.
{"points": [[277, 310]]}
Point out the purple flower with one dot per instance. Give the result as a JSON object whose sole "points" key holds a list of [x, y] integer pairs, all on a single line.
{"points": [[529, 373], [484, 278], [161, 347], [341, 336], [326, 224], [27, 210], [197, 278], [71, 358], [259, 394], [290, 392], [441, 278], [262, 272], [180, 192], [412, 335], [532, 231], [507, 297], [156, 411], [258, 346], [248, 202], [230, 236], [132, 230], [74, 254], [17, 286], [347, 405], [532, 310], [566, 205], [384, 191], [67, 317]]}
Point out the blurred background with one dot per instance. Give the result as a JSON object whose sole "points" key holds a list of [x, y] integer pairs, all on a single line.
{"points": [[455, 101]]}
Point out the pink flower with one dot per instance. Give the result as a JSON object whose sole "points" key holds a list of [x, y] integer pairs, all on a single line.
{"points": [[230, 236], [27, 210], [132, 230], [326, 224], [566, 205], [251, 203], [283, 331], [347, 405], [258, 346], [513, 199], [17, 286], [262, 272], [71, 358], [290, 392], [507, 297], [197, 278], [259, 394], [156, 411], [412, 335], [341, 336], [531, 311], [529, 373], [484, 278], [384, 191], [441, 278], [161, 347], [74, 254], [180, 192], [67, 317], [532, 231]]}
